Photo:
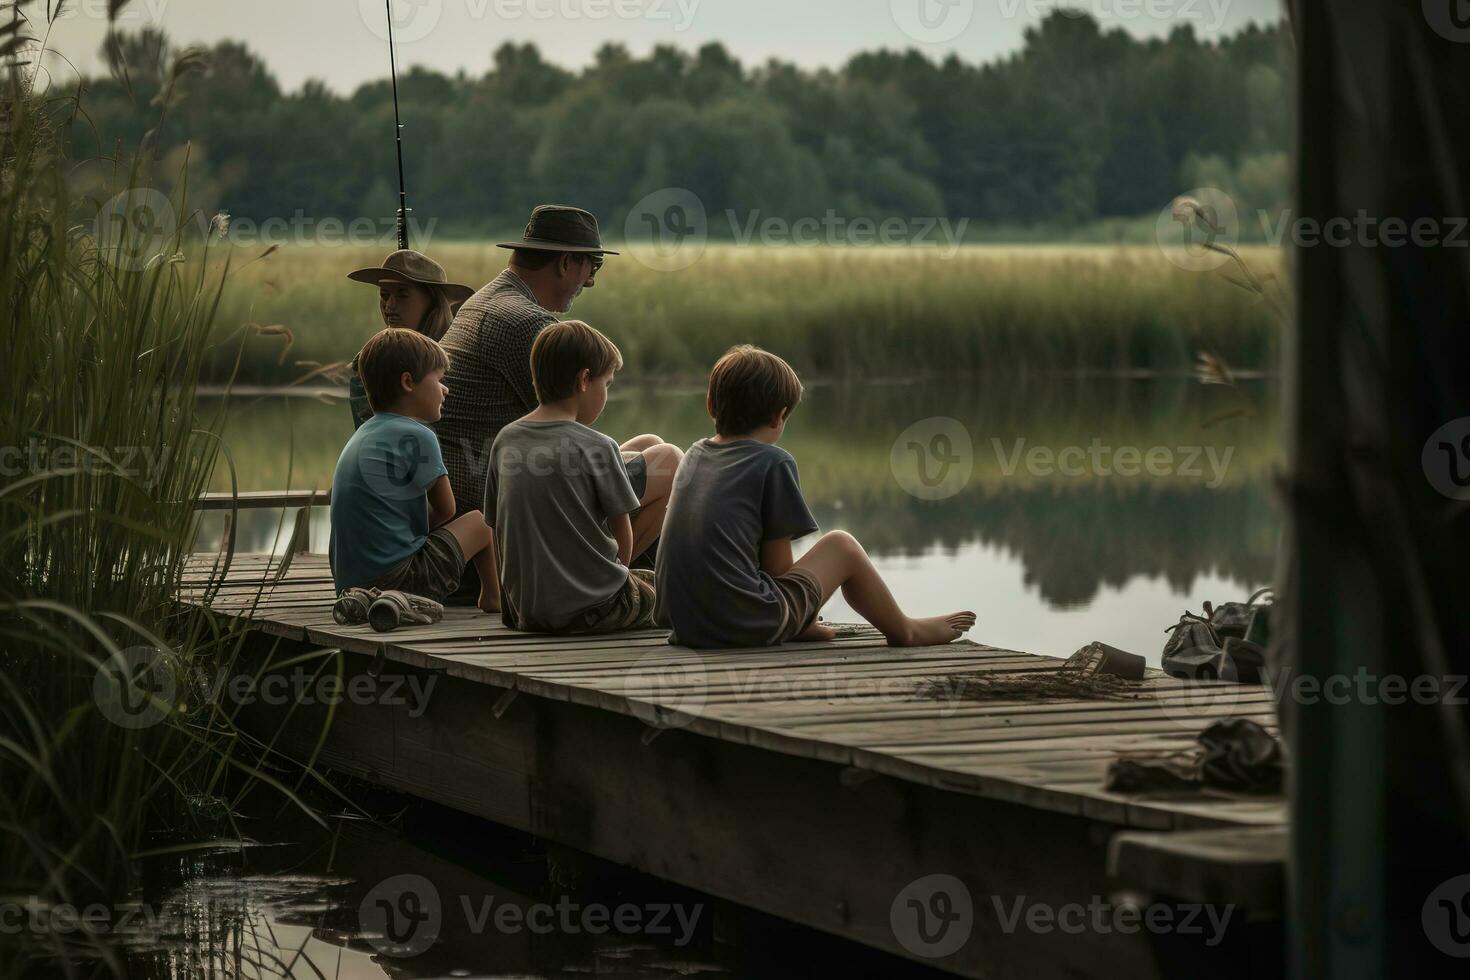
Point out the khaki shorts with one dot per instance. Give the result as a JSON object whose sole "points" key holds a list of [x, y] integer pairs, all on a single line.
{"points": [[433, 571], [801, 601], [631, 608]]}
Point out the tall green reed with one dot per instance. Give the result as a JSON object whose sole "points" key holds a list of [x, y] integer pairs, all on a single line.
{"points": [[837, 313], [113, 740]]}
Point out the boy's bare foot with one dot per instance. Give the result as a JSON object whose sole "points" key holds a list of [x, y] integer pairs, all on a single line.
{"points": [[934, 630], [489, 605], [817, 632]]}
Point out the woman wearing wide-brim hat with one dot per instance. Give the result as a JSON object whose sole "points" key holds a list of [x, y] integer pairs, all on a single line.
{"points": [[414, 292]]}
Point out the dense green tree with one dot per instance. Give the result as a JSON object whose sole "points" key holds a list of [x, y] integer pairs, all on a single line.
{"points": [[1079, 124]]}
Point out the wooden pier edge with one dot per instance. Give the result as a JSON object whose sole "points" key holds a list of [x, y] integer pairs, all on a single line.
{"points": [[796, 822]]}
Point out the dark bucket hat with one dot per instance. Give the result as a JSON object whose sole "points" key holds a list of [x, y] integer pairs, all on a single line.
{"points": [[555, 228], [406, 265]]}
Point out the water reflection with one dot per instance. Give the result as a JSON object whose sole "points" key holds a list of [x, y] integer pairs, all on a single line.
{"points": [[1064, 509], [296, 911], [503, 904]]}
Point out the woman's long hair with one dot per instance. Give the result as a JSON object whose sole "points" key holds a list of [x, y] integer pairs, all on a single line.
{"points": [[439, 315]]}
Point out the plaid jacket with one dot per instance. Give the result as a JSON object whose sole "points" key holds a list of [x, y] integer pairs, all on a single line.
{"points": [[357, 399], [489, 379]]}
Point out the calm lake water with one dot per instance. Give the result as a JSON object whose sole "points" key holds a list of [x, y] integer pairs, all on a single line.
{"points": [[1061, 509], [500, 905]]}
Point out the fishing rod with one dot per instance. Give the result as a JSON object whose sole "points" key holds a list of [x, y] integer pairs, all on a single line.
{"points": [[398, 133]]}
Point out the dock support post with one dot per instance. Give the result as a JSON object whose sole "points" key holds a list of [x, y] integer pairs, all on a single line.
{"points": [[1378, 525]]}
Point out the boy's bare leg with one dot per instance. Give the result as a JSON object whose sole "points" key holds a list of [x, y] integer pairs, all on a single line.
{"points": [[660, 462], [639, 444], [839, 561], [817, 632], [477, 543], [649, 524]]}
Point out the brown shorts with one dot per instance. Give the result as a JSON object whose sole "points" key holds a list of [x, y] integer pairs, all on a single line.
{"points": [[631, 608], [801, 601], [433, 571]]}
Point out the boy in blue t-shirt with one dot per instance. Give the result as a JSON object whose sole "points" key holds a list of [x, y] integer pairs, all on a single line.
{"points": [[393, 525]]}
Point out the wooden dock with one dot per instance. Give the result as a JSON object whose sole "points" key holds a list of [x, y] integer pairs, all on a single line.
{"points": [[809, 781]]}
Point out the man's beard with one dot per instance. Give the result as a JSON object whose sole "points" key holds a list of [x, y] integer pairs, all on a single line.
{"points": [[571, 300]]}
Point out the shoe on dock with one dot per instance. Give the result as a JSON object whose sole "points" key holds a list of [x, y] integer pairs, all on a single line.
{"points": [[394, 609], [351, 607]]}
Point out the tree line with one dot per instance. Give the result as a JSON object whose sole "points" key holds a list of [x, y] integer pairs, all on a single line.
{"points": [[1081, 125]]}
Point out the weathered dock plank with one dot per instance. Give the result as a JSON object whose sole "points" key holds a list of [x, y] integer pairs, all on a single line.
{"points": [[811, 781]]}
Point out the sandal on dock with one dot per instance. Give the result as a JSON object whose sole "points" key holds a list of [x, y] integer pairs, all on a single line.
{"points": [[351, 607], [394, 609]]}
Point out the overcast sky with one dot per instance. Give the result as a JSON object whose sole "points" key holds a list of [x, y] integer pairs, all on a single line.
{"points": [[343, 41]]}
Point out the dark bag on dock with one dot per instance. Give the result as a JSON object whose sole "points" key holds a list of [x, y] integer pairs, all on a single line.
{"points": [[1227, 643]]}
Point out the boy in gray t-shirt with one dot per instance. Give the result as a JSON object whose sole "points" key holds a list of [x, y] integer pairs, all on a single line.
{"points": [[726, 575], [729, 497], [559, 497]]}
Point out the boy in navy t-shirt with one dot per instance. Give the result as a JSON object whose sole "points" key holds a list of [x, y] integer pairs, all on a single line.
{"points": [[725, 575], [393, 525]]}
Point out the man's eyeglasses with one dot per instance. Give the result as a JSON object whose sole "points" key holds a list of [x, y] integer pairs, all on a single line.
{"points": [[597, 261]]}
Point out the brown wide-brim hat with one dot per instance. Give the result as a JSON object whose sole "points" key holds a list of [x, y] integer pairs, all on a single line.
{"points": [[556, 228], [406, 265]]}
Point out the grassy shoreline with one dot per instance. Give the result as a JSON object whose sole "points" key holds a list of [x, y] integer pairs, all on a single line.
{"points": [[834, 313]]}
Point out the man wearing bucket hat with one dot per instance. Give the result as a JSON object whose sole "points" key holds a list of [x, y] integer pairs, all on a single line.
{"points": [[414, 292], [489, 379]]}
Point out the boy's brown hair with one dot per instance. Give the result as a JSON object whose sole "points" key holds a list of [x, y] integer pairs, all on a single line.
{"points": [[562, 350], [747, 387], [388, 354]]}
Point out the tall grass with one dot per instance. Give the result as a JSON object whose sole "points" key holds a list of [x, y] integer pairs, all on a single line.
{"points": [[104, 453], [833, 312]]}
